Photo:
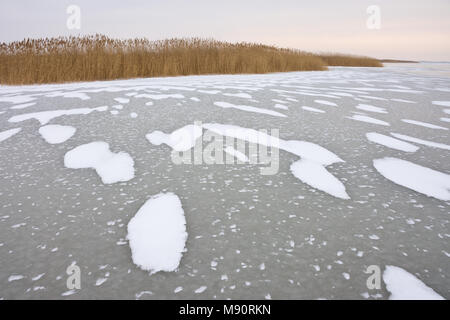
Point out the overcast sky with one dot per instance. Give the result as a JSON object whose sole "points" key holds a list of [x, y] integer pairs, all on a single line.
{"points": [[409, 29]]}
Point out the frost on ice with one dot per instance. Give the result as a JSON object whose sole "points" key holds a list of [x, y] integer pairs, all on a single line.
{"points": [[405, 286], [55, 133], [415, 177], [111, 167], [157, 234]]}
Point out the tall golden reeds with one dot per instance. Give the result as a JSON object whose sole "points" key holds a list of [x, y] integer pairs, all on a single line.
{"points": [[97, 57], [347, 60]]}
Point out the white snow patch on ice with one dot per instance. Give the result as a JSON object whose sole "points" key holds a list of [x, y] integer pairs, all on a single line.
{"points": [[312, 109], [238, 95], [281, 106], [8, 133], [226, 105], [367, 119], [45, 116], [391, 142], [181, 139], [441, 103], [160, 96], [55, 133], [23, 106], [420, 141], [122, 100], [157, 234], [370, 108], [326, 103], [235, 153], [111, 167], [17, 99], [424, 124], [415, 177], [405, 286], [318, 177]]}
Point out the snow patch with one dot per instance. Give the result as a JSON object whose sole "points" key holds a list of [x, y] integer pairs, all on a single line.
{"points": [[405, 286], [157, 234], [415, 177], [111, 167], [391, 142], [55, 133]]}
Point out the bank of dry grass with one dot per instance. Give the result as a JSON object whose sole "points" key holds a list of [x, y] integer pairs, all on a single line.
{"points": [[67, 59], [347, 60]]}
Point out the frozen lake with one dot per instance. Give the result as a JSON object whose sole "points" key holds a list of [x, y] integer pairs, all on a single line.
{"points": [[365, 182]]}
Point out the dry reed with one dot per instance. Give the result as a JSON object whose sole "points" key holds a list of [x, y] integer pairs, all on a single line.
{"points": [[88, 58]]}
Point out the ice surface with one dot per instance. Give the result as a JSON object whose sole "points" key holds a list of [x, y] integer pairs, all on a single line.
{"points": [[405, 286], [391, 142], [55, 133], [157, 234], [415, 177], [227, 105], [8, 133], [111, 167]]}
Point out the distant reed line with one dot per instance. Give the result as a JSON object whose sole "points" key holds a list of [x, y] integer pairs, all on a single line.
{"points": [[97, 57]]}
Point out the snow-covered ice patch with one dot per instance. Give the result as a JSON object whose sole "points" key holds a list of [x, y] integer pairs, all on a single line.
{"points": [[312, 109], [405, 286], [227, 105], [238, 95], [235, 153], [420, 141], [370, 108], [181, 139], [367, 119], [23, 106], [157, 234], [318, 177], [415, 177], [424, 124], [122, 100], [441, 103], [281, 106], [326, 103], [391, 142], [44, 117], [160, 96], [111, 167], [8, 133], [55, 133]]}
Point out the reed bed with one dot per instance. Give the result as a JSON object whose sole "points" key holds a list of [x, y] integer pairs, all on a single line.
{"points": [[348, 60], [97, 57]]}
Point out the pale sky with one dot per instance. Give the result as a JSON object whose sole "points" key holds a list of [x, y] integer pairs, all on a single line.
{"points": [[409, 29]]}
